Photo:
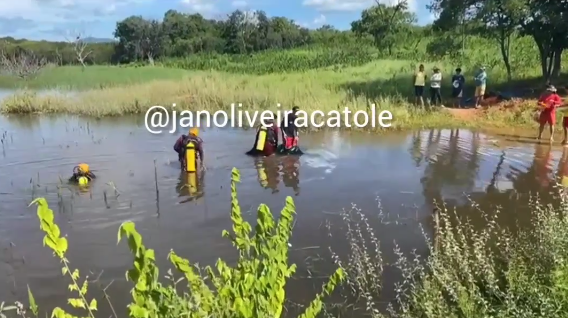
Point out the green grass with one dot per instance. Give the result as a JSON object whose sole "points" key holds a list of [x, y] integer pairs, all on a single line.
{"points": [[74, 78]]}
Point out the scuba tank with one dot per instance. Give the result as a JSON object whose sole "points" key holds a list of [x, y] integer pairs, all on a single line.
{"points": [[190, 162], [261, 138]]}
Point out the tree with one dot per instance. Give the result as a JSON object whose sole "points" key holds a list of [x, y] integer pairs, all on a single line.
{"points": [[546, 22], [139, 39], [543, 20], [238, 31], [501, 19], [386, 24], [80, 48], [151, 41], [21, 64]]}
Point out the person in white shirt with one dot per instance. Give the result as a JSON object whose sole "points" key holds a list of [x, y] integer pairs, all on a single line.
{"points": [[435, 88]]}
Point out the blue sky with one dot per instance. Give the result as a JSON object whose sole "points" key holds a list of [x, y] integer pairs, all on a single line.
{"points": [[58, 19]]}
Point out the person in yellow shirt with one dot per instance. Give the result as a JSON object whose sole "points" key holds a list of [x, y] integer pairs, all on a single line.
{"points": [[419, 83]]}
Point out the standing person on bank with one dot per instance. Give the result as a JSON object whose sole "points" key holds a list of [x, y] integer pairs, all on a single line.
{"points": [[548, 102], [480, 85], [458, 83], [436, 88], [419, 83]]}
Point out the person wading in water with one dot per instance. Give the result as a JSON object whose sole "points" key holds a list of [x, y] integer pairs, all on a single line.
{"points": [[182, 142], [290, 130], [270, 143]]}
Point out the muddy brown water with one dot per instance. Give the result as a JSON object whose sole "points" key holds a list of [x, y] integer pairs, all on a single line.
{"points": [[407, 171]]}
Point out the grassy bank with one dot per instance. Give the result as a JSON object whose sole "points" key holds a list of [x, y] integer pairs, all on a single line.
{"points": [[485, 271], [361, 56], [94, 77], [315, 79], [386, 83]]}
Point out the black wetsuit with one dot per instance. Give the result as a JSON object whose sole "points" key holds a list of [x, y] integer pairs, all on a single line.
{"points": [[288, 126], [182, 142]]}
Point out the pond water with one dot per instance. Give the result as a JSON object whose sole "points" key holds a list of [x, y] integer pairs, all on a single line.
{"points": [[406, 171]]}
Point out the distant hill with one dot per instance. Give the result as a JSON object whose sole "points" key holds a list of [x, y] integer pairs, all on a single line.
{"points": [[97, 40]]}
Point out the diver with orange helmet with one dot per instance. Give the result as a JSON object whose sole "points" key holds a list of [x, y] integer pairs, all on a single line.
{"points": [[182, 142], [82, 174]]}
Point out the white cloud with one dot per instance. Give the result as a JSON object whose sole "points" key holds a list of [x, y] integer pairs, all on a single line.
{"points": [[351, 5], [200, 6], [239, 3], [320, 20], [317, 22], [33, 16]]}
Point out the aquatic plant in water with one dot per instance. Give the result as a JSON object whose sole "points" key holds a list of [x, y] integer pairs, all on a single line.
{"points": [[255, 287]]}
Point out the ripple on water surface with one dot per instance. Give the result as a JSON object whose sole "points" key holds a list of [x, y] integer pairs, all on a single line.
{"points": [[406, 170]]}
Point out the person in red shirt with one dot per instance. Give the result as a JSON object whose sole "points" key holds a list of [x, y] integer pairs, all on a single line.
{"points": [[548, 101]]}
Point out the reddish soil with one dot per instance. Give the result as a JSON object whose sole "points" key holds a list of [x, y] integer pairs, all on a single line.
{"points": [[495, 103], [464, 114]]}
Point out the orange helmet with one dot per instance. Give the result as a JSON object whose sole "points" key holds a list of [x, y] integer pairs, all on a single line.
{"points": [[83, 167], [194, 131]]}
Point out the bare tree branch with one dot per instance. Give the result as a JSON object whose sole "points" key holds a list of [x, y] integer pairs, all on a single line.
{"points": [[80, 47], [21, 63], [59, 57]]}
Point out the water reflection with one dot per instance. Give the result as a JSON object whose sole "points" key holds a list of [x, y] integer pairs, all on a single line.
{"points": [[268, 174], [271, 170], [291, 173], [416, 148], [191, 185], [563, 168], [451, 165], [458, 168], [542, 160]]}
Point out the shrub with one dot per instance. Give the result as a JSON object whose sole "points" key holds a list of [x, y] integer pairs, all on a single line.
{"points": [[470, 271]]}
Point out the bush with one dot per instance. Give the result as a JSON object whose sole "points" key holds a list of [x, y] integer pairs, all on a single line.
{"points": [[474, 272]]}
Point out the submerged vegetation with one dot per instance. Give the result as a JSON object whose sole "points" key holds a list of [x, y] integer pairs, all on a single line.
{"points": [[466, 270]]}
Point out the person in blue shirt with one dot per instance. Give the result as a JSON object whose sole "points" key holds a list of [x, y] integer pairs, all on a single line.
{"points": [[480, 85], [458, 83]]}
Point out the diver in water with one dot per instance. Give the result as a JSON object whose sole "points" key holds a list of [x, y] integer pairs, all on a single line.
{"points": [[82, 174], [290, 130], [181, 143], [267, 143]]}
